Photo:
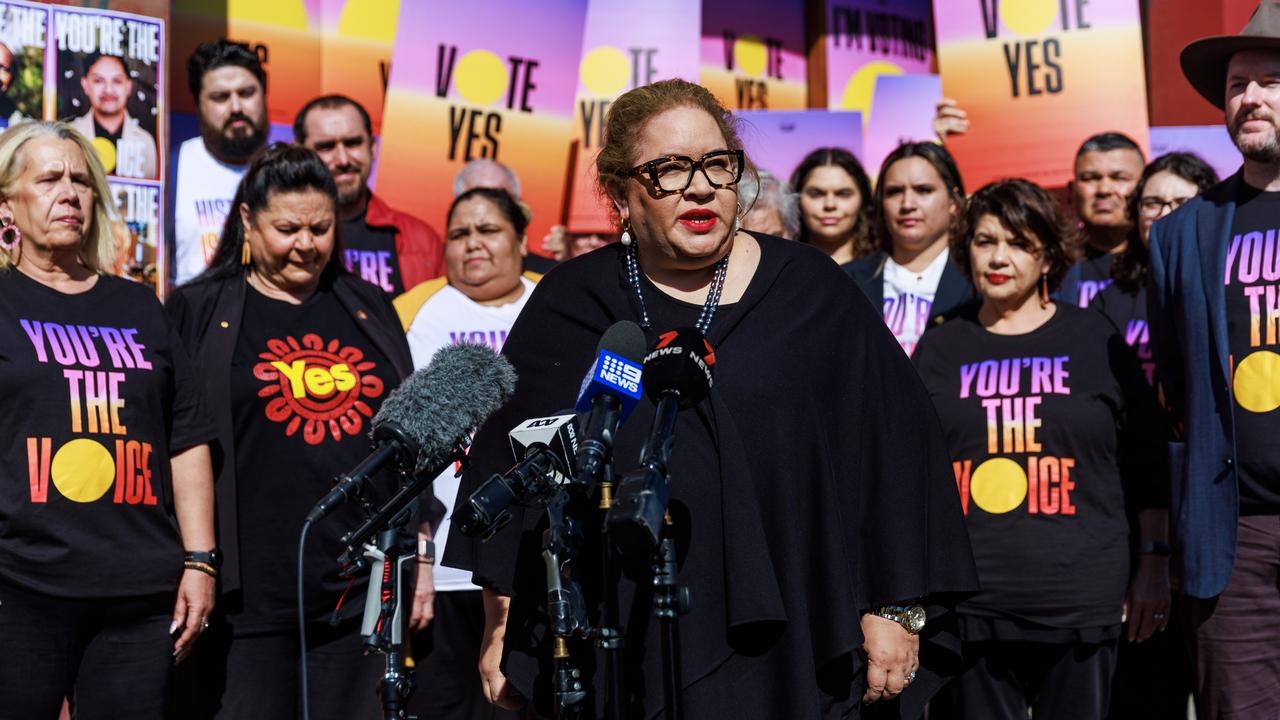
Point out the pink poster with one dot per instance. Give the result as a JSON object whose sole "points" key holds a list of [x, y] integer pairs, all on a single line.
{"points": [[867, 39], [501, 89], [777, 141], [625, 45], [902, 110], [754, 54]]}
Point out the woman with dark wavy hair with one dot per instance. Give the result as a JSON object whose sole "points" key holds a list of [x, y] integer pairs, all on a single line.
{"points": [[835, 204], [297, 355], [919, 197]]}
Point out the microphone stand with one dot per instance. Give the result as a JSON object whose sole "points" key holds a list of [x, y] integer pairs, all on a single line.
{"points": [[566, 609], [385, 620], [609, 637]]}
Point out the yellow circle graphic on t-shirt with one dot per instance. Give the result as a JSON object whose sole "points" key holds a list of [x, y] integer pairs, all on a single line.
{"points": [[82, 470], [1028, 17], [860, 90], [750, 55], [604, 71], [1257, 382], [106, 153], [481, 77], [998, 485]]}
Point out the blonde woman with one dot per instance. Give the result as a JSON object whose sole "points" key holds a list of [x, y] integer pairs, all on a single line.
{"points": [[106, 478]]}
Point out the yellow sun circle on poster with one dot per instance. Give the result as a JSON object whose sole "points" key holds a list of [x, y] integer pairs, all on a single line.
{"points": [[106, 153], [860, 89], [749, 54], [82, 470], [1028, 17], [481, 77], [604, 71], [998, 485], [1257, 382]]}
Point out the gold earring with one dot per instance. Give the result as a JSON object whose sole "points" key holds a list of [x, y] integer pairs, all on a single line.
{"points": [[245, 256]]}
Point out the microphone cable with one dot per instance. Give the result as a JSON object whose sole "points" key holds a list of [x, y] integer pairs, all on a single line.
{"points": [[302, 625]]}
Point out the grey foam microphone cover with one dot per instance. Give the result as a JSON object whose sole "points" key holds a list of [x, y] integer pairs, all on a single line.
{"points": [[439, 405]]}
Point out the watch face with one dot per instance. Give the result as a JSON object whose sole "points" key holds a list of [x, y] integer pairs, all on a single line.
{"points": [[915, 618], [215, 555]]}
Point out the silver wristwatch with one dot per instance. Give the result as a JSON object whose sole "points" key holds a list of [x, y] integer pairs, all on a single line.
{"points": [[910, 617]]}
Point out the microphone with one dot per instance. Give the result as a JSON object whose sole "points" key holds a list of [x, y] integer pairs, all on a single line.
{"points": [[423, 424], [546, 450], [609, 392], [677, 375]]}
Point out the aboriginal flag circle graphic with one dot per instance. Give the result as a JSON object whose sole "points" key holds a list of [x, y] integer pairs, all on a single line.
{"points": [[317, 388]]}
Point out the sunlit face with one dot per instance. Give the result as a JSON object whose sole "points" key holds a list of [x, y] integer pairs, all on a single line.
{"points": [[338, 136], [829, 204], [764, 219], [917, 205], [684, 230], [52, 200], [581, 244], [291, 238], [1006, 267], [107, 85], [1163, 193], [1252, 106], [1102, 182], [6, 68], [233, 111], [482, 255]]}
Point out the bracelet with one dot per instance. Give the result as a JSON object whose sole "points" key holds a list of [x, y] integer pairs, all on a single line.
{"points": [[203, 567], [1154, 548]]}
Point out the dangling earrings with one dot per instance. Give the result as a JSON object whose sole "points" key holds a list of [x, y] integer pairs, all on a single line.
{"points": [[1044, 289], [8, 230], [245, 256], [626, 233]]}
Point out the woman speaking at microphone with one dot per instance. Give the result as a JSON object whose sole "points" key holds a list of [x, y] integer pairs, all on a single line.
{"points": [[297, 356], [819, 508]]}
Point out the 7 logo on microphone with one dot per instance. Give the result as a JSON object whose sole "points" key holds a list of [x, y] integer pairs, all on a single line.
{"points": [[619, 372]]}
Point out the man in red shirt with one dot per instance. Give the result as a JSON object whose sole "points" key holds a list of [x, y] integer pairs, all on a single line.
{"points": [[387, 247]]}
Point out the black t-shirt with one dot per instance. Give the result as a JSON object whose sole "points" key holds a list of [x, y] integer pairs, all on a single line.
{"points": [[1253, 338], [98, 393], [1127, 311], [1095, 276], [370, 253], [1042, 429], [305, 384], [100, 131]]}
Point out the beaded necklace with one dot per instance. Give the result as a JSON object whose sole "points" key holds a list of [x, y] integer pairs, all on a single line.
{"points": [[708, 307]]}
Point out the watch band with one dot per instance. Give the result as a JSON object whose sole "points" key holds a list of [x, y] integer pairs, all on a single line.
{"points": [[426, 551]]}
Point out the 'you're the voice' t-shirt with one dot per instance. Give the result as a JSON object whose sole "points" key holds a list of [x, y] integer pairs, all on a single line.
{"points": [[1052, 436]]}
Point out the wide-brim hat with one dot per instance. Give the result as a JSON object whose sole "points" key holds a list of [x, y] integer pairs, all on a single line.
{"points": [[1204, 61]]}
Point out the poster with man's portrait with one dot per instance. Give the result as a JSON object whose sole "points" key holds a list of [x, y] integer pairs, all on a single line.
{"points": [[23, 28], [109, 86]]}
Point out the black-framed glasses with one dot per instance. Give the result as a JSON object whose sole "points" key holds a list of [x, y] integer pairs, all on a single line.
{"points": [[674, 173], [1154, 206]]}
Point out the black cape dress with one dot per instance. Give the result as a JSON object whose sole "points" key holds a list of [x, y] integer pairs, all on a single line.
{"points": [[812, 485]]}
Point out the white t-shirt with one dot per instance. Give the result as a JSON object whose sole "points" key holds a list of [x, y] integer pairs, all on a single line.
{"points": [[908, 299], [205, 188], [450, 317]]}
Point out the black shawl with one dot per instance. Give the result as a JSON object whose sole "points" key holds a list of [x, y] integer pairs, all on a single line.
{"points": [[812, 485]]}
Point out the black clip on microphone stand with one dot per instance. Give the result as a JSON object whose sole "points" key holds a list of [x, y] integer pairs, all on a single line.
{"points": [[640, 524], [390, 591], [566, 609]]}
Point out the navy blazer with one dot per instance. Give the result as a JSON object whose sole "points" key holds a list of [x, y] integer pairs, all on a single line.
{"points": [[954, 289], [1188, 324]]}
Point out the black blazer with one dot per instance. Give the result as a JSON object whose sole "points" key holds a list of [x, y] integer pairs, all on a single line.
{"points": [[207, 316], [954, 289]]}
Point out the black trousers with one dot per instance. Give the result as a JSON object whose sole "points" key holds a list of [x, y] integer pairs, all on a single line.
{"points": [[1058, 682], [1153, 678], [255, 676], [447, 655], [110, 657]]}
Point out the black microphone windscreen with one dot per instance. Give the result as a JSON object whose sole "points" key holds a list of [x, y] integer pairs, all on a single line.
{"points": [[624, 339], [438, 405], [681, 361]]}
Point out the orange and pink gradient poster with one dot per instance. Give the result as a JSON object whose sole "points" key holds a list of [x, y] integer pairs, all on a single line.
{"points": [[625, 45], [462, 89], [1037, 77], [754, 55], [869, 38]]}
